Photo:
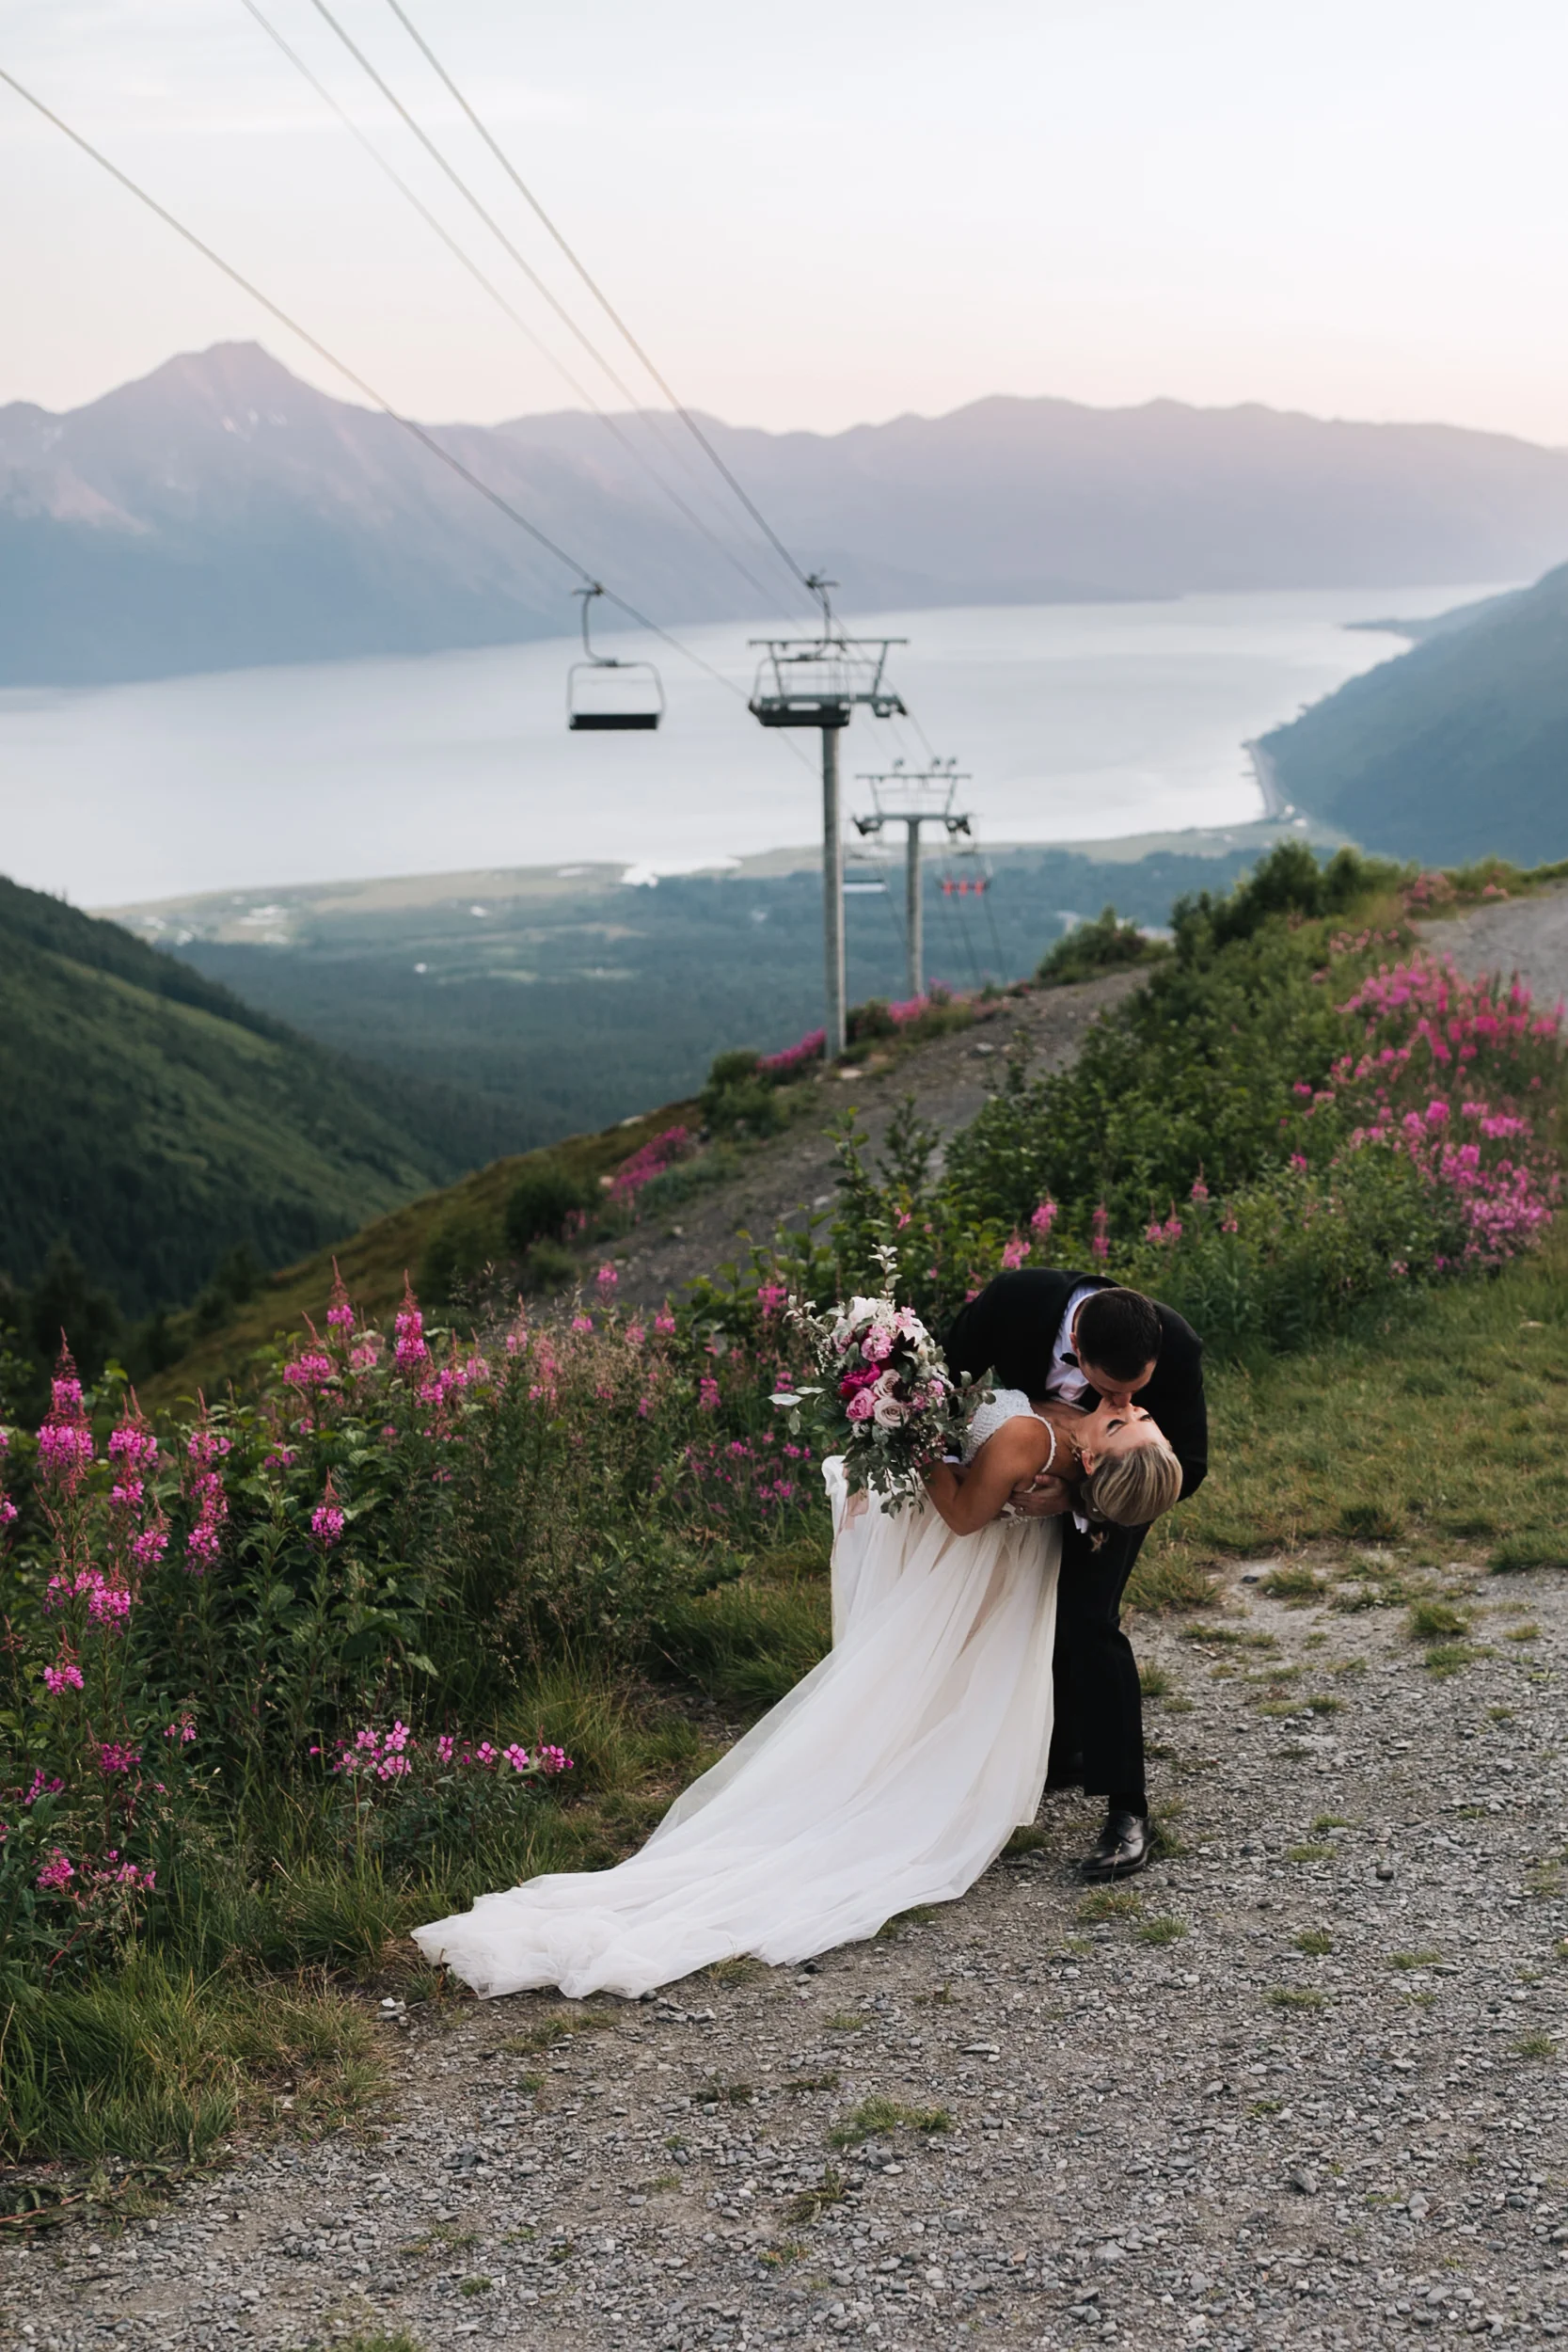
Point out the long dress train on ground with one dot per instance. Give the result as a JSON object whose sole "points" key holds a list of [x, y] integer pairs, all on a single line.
{"points": [[892, 1775]]}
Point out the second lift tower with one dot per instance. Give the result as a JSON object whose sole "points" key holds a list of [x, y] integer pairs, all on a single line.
{"points": [[817, 682], [912, 798]]}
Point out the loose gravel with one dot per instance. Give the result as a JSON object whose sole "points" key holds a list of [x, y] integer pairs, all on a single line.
{"points": [[1298, 2086]]}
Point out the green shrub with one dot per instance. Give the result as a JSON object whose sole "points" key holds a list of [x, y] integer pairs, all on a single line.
{"points": [[550, 1266], [455, 1256], [739, 1098], [539, 1204], [1106, 945]]}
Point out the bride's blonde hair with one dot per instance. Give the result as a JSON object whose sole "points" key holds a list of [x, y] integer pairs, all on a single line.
{"points": [[1132, 1488]]}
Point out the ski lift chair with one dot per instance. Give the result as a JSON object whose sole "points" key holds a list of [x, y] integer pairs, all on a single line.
{"points": [[607, 695]]}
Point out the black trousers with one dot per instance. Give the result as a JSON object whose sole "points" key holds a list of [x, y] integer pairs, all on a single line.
{"points": [[1099, 1704]]}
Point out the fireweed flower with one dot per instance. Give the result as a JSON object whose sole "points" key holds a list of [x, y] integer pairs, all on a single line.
{"points": [[1044, 1218], [1015, 1253], [66, 1676], [411, 1349], [664, 1323], [707, 1394], [327, 1523], [1100, 1244], [56, 1873], [607, 1280], [308, 1371], [115, 1758]]}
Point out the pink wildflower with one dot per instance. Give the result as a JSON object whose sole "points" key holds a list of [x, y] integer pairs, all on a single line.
{"points": [[56, 1873], [707, 1394], [1044, 1218], [66, 1676], [1100, 1244], [408, 1326]]}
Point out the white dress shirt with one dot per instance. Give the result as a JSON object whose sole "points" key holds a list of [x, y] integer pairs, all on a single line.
{"points": [[1066, 1381]]}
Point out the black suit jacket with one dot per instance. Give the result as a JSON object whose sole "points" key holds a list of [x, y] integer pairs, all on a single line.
{"points": [[1011, 1329]]}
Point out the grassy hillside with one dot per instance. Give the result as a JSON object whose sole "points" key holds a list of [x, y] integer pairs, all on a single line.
{"points": [[154, 1122], [375, 1261], [1458, 750]]}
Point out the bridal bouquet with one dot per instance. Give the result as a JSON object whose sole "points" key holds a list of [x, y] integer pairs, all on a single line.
{"points": [[886, 1400]]}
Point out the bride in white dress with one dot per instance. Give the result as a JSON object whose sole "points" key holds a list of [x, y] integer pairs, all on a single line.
{"points": [[892, 1775]]}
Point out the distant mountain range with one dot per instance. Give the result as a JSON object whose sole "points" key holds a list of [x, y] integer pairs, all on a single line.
{"points": [[1458, 749], [220, 513]]}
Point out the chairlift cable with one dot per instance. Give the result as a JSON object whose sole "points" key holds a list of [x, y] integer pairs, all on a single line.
{"points": [[313, 342], [411, 196], [598, 292], [433, 151]]}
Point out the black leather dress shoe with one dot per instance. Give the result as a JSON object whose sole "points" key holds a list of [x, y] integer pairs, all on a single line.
{"points": [[1065, 1771], [1126, 1843]]}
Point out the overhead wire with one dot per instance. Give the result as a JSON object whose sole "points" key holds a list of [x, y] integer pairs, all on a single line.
{"points": [[361, 384], [444, 164], [465, 259], [678, 405]]}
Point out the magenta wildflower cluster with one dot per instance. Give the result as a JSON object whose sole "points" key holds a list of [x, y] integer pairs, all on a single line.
{"points": [[662, 1152], [396, 1757]]}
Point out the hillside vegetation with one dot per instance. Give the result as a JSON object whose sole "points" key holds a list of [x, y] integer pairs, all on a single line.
{"points": [[154, 1123], [1457, 750]]}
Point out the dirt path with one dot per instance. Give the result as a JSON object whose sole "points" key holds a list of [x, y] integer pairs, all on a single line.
{"points": [[949, 1080], [1525, 935], [1234, 2137]]}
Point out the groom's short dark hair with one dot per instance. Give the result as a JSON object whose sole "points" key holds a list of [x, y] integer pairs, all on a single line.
{"points": [[1118, 1332]]}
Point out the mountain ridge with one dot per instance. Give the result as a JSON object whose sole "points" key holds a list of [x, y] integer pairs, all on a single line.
{"points": [[1457, 749], [220, 513]]}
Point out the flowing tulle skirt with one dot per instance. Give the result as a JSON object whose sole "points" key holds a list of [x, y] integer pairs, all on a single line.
{"points": [[892, 1775]]}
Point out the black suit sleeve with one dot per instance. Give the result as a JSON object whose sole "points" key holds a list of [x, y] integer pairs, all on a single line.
{"points": [[1175, 1397]]}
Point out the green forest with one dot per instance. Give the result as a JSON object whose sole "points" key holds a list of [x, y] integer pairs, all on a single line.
{"points": [[156, 1125]]}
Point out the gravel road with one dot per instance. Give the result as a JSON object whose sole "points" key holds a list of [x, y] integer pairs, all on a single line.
{"points": [[1220, 2138], [1525, 935]]}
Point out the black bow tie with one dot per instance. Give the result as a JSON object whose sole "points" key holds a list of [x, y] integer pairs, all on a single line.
{"points": [[1069, 1358]]}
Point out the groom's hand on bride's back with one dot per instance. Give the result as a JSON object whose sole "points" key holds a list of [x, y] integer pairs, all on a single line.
{"points": [[1042, 1498]]}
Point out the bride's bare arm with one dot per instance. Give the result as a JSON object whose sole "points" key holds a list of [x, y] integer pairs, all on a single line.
{"points": [[1009, 1459]]}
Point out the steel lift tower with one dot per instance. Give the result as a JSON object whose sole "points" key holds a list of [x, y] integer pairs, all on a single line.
{"points": [[913, 797], [817, 682]]}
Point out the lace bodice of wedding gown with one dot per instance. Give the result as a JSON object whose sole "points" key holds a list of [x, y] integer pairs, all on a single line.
{"points": [[1004, 1405]]}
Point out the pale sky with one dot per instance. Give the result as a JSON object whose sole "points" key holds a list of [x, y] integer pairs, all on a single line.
{"points": [[818, 216]]}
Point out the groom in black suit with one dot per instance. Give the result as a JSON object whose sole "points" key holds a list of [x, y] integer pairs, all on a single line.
{"points": [[1080, 1338]]}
